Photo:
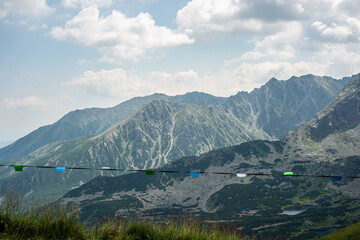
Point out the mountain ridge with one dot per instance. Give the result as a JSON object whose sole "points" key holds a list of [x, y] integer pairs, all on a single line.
{"points": [[158, 133], [254, 202], [92, 121]]}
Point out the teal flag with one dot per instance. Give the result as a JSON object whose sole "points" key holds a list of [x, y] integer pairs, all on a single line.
{"points": [[194, 174]]}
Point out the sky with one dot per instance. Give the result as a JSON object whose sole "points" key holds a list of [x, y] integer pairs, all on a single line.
{"points": [[58, 56]]}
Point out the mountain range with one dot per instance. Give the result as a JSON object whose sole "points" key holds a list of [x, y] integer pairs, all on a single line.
{"points": [[93, 121], [151, 131], [328, 144]]}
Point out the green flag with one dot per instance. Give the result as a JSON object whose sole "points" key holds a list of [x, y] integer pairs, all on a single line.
{"points": [[18, 168], [149, 172]]}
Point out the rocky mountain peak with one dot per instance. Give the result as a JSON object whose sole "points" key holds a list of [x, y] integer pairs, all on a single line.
{"points": [[340, 115]]}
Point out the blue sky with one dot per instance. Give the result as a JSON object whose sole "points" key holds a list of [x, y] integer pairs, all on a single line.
{"points": [[58, 56]]}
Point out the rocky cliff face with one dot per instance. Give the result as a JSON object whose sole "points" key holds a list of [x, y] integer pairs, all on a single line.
{"points": [[334, 132], [282, 106]]}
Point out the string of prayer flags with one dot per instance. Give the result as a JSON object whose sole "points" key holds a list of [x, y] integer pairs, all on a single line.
{"points": [[194, 174], [334, 178], [288, 174], [18, 168], [241, 175], [149, 172]]}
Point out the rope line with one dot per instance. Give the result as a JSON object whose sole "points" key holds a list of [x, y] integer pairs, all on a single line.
{"points": [[152, 171]]}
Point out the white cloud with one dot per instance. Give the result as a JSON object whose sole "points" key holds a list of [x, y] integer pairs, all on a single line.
{"points": [[228, 81], [115, 83], [349, 7], [335, 31], [24, 8], [117, 37], [297, 38], [85, 3], [208, 17], [26, 102], [341, 59]]}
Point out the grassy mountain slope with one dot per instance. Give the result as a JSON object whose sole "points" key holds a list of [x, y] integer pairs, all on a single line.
{"points": [[351, 232]]}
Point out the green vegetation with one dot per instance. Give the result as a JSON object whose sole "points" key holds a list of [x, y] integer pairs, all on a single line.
{"points": [[57, 221], [351, 232]]}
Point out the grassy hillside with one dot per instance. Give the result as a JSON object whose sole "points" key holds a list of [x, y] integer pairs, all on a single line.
{"points": [[351, 232], [58, 222]]}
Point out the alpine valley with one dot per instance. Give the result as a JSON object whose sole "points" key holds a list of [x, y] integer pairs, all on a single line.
{"points": [[328, 144], [177, 133]]}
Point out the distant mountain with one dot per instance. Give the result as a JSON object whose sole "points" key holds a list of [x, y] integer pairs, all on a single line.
{"points": [[198, 98], [335, 130], [282, 106], [254, 203], [157, 134], [162, 131], [93, 121]]}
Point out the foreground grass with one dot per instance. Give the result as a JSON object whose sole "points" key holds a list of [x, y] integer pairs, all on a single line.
{"points": [[68, 227], [60, 222]]}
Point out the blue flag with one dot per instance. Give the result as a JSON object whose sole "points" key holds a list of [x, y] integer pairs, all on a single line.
{"points": [[194, 174], [336, 179]]}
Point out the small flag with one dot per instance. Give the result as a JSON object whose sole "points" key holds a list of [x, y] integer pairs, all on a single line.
{"points": [[288, 174], [194, 174], [149, 172], [105, 168], [18, 168], [60, 169], [241, 174], [336, 179]]}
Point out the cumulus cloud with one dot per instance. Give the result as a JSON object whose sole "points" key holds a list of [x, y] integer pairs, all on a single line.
{"points": [[204, 17], [85, 3], [122, 84], [116, 83], [298, 37], [116, 36], [23, 8], [335, 31], [24, 103], [279, 46]]}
